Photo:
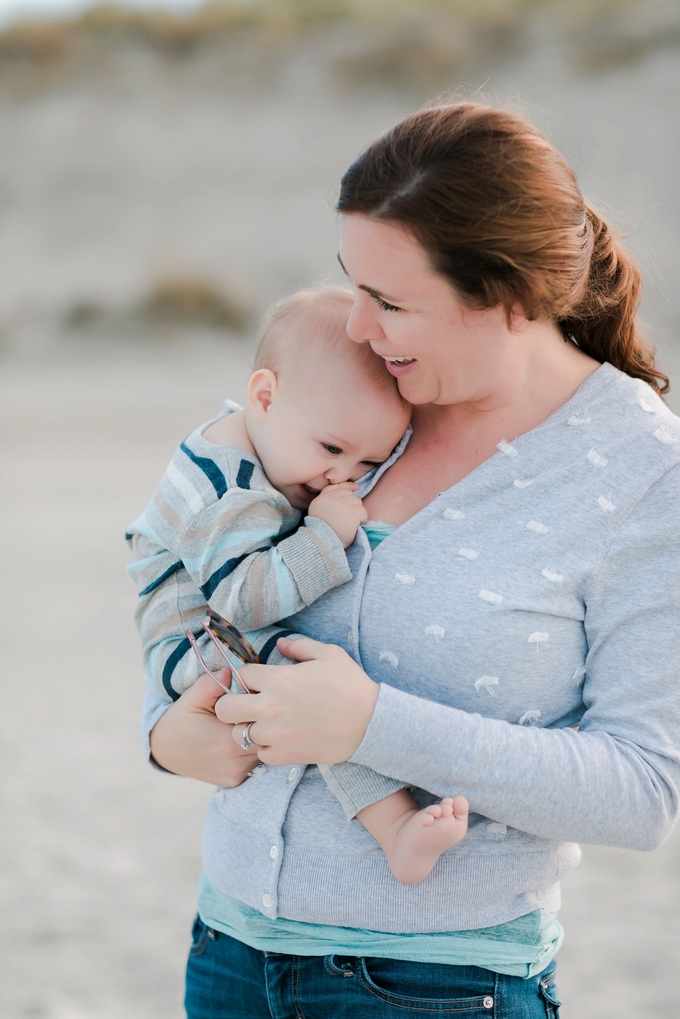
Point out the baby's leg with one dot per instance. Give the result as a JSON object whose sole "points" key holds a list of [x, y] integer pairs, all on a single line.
{"points": [[412, 839]]}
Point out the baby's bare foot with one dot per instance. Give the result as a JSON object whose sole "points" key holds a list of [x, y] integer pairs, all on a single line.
{"points": [[424, 836]]}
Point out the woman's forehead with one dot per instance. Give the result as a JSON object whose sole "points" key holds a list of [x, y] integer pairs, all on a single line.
{"points": [[384, 258]]}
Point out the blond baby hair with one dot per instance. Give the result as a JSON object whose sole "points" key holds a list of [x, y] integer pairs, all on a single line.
{"points": [[313, 322]]}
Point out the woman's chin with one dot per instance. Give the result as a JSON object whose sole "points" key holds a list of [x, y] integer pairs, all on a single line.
{"points": [[416, 391]]}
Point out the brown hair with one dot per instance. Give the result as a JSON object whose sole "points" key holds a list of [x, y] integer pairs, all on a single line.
{"points": [[501, 216], [314, 321]]}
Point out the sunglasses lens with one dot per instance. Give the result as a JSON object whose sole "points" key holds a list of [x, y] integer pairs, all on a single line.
{"points": [[232, 638]]}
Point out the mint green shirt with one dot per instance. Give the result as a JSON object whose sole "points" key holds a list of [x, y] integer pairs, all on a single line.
{"points": [[519, 948]]}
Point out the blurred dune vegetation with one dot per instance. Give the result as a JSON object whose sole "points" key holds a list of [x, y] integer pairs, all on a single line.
{"points": [[398, 42], [109, 71]]}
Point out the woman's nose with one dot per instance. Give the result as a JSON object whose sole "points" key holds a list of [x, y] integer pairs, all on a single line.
{"points": [[362, 325]]}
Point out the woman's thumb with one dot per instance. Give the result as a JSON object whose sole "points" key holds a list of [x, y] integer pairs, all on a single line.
{"points": [[205, 691]]}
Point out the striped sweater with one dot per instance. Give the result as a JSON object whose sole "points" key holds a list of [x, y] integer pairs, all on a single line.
{"points": [[217, 533]]}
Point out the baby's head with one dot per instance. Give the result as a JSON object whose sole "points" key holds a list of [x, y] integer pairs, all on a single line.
{"points": [[321, 409]]}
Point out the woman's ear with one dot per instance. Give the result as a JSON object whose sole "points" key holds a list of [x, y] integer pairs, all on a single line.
{"points": [[262, 389], [517, 319]]}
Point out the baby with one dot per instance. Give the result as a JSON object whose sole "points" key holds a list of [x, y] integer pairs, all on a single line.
{"points": [[224, 529]]}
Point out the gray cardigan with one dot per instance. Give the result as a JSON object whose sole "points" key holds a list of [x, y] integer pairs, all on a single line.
{"points": [[525, 629]]}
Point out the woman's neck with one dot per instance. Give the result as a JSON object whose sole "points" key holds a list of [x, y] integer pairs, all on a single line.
{"points": [[450, 441]]}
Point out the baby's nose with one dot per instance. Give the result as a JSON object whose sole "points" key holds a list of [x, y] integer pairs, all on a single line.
{"points": [[337, 474]]}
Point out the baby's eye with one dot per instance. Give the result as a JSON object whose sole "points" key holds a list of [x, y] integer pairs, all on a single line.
{"points": [[385, 306], [335, 450]]}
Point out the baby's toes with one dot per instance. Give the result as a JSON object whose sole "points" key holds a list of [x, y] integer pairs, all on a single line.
{"points": [[461, 807], [447, 807], [434, 810]]}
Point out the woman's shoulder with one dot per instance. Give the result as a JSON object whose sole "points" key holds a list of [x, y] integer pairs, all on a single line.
{"points": [[622, 427]]}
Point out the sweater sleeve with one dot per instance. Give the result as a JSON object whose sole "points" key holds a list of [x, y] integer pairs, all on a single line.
{"points": [[616, 780], [232, 541]]}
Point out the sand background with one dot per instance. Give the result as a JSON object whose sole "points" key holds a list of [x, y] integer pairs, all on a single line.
{"points": [[133, 166]]}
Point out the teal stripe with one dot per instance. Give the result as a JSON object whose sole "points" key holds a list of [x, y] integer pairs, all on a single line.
{"points": [[377, 531]]}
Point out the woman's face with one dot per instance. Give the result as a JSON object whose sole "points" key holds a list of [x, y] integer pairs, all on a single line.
{"points": [[439, 350]]}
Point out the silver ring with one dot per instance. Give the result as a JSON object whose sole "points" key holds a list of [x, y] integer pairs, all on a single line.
{"points": [[246, 742]]}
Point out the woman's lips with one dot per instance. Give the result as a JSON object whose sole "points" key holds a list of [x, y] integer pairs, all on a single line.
{"points": [[401, 366]]}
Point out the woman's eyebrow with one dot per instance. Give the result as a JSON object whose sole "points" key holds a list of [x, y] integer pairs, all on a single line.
{"points": [[369, 290]]}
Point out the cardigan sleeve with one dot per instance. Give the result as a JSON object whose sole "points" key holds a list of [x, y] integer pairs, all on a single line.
{"points": [[616, 780]]}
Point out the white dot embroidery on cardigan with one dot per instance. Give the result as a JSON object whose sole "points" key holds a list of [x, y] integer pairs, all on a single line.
{"points": [[389, 656], [596, 459], [522, 482], [468, 553], [549, 574], [435, 632], [579, 675], [606, 504], [530, 717], [507, 449], [642, 403], [664, 435], [491, 596], [497, 829], [538, 638], [537, 527], [404, 578], [486, 683], [576, 420], [453, 513]]}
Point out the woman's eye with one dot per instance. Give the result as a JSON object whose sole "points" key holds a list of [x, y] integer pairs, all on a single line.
{"points": [[385, 306], [335, 450]]}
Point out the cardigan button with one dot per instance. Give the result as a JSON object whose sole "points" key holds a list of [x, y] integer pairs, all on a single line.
{"points": [[266, 900], [292, 774]]}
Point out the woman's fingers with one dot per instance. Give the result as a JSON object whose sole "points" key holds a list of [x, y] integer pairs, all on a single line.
{"points": [[205, 692], [237, 736], [304, 649], [314, 712]]}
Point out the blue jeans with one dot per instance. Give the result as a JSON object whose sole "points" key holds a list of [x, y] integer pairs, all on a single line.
{"points": [[229, 980]]}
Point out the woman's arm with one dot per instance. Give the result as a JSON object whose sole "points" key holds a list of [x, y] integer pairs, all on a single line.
{"points": [[615, 782]]}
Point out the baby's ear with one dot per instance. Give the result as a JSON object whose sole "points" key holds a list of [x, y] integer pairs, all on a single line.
{"points": [[262, 388]]}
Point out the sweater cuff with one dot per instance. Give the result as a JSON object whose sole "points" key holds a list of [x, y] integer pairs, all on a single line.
{"points": [[316, 558], [152, 710], [405, 737]]}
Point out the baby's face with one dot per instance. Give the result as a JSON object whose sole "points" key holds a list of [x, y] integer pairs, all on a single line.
{"points": [[326, 433]]}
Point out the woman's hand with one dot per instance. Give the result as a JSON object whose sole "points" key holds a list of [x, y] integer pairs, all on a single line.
{"points": [[313, 713], [189, 740]]}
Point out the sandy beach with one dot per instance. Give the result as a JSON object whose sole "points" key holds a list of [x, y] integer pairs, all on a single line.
{"points": [[109, 183]]}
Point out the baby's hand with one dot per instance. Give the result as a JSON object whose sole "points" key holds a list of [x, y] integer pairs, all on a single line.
{"points": [[341, 509]]}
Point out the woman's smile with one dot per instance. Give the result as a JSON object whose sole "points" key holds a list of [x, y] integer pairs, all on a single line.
{"points": [[399, 366]]}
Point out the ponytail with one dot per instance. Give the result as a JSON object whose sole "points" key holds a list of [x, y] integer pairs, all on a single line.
{"points": [[603, 323]]}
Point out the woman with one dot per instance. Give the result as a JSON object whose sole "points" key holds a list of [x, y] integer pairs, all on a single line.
{"points": [[515, 638]]}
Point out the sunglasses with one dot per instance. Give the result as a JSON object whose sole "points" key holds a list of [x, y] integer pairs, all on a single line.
{"points": [[229, 642]]}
